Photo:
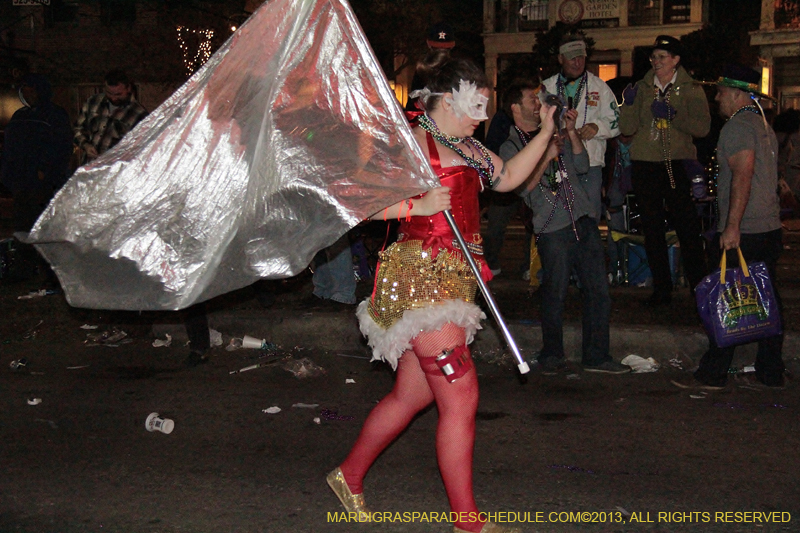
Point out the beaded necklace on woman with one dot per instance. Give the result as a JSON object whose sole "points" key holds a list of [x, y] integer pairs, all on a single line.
{"points": [[580, 91], [483, 164]]}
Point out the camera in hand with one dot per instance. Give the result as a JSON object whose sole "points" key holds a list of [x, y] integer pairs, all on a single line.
{"points": [[556, 101]]}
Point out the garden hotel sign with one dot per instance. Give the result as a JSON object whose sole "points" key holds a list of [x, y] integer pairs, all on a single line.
{"points": [[31, 2], [589, 13]]}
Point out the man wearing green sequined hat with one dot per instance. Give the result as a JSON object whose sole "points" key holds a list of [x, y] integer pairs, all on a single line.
{"points": [[743, 78], [749, 215]]}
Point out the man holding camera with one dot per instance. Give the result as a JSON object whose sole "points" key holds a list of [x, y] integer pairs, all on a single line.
{"points": [[596, 106]]}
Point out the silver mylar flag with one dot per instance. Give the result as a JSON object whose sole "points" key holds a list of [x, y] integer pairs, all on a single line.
{"points": [[286, 138]]}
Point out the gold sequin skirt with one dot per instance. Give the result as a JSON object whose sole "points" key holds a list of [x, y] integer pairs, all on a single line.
{"points": [[416, 292], [409, 278]]}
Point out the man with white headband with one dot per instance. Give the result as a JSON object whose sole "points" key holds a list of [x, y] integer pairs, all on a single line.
{"points": [[596, 106]]}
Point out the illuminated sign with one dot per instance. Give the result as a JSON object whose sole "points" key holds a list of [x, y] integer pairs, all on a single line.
{"points": [[574, 11]]}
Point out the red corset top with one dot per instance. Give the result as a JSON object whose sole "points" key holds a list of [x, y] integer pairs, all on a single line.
{"points": [[465, 186]]}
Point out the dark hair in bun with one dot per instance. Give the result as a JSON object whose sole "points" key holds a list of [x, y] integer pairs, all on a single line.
{"points": [[442, 73]]}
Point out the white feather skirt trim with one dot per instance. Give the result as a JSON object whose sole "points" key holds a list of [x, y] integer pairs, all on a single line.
{"points": [[389, 344]]}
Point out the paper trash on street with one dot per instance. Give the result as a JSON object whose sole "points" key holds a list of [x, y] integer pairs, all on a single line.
{"points": [[640, 365]]}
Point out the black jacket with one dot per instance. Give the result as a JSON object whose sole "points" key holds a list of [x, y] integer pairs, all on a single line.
{"points": [[37, 139]]}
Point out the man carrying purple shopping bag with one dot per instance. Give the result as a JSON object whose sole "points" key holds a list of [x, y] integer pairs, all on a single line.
{"points": [[749, 214]]}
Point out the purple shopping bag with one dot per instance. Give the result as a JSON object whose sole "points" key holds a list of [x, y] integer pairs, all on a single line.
{"points": [[738, 305]]}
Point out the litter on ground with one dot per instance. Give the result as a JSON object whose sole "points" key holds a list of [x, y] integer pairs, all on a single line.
{"points": [[112, 338], [159, 343], [303, 368], [640, 365]]}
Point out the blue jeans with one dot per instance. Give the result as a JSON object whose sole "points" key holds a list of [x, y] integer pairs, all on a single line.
{"points": [[713, 368], [561, 253], [334, 278]]}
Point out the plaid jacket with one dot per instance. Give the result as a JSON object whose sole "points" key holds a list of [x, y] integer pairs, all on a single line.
{"points": [[98, 127]]}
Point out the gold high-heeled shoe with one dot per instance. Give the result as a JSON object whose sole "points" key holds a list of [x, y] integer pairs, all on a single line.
{"points": [[491, 527], [353, 503]]}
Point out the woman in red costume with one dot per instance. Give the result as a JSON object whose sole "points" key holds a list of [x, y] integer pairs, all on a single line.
{"points": [[422, 314]]}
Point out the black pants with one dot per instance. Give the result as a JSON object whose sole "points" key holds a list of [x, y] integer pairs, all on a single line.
{"points": [[652, 188], [28, 206], [714, 365], [196, 322]]}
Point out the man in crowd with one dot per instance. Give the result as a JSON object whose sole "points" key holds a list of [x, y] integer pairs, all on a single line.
{"points": [[104, 120], [521, 103], [333, 279], [596, 106], [749, 214], [568, 239], [106, 117], [35, 165]]}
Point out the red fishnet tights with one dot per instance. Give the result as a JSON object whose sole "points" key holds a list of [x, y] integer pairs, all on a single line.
{"points": [[414, 390]]}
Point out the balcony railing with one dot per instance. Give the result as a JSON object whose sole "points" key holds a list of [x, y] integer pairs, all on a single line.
{"points": [[656, 12], [513, 16], [644, 12], [533, 15]]}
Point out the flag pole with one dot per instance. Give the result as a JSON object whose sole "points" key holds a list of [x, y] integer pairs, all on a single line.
{"points": [[521, 364]]}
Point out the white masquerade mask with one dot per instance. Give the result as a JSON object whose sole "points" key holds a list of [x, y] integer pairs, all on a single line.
{"points": [[468, 101]]}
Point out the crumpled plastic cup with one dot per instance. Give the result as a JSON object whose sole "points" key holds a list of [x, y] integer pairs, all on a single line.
{"points": [[253, 343], [16, 364], [156, 423], [640, 365]]}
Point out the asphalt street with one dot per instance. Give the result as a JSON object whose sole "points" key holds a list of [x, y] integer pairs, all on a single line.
{"points": [[568, 452]]}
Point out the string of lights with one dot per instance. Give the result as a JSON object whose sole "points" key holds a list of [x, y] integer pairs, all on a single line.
{"points": [[203, 48]]}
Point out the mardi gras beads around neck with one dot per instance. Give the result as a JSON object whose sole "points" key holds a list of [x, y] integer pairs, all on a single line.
{"points": [[428, 124]]}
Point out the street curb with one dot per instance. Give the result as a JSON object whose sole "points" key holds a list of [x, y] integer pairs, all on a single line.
{"points": [[339, 332]]}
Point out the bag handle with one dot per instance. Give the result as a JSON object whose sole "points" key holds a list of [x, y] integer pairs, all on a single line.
{"points": [[723, 264]]}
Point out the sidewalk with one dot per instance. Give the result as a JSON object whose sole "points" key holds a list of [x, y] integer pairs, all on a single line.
{"points": [[662, 333]]}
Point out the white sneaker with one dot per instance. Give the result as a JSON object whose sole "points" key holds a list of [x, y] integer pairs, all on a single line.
{"points": [[496, 271]]}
